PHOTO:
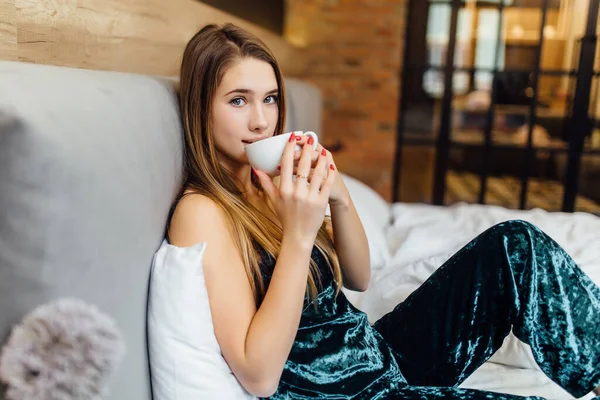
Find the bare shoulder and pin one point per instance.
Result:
(195, 219)
(198, 219)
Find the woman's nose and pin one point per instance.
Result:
(258, 120)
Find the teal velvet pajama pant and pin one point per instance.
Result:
(512, 276)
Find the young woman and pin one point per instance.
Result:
(275, 265)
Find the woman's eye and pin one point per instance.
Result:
(238, 102)
(271, 99)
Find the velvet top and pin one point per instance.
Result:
(336, 352)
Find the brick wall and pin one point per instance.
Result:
(354, 51)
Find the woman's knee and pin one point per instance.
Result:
(516, 234)
(517, 226)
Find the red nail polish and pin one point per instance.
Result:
(279, 167)
(332, 167)
(298, 137)
(323, 152)
(311, 141)
(292, 137)
(253, 171)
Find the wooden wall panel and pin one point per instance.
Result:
(141, 36)
(8, 30)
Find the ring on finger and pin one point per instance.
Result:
(302, 176)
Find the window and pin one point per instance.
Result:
(478, 50)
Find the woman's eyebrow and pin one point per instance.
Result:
(249, 91)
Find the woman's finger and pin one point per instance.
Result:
(328, 184)
(287, 164)
(330, 159)
(314, 156)
(304, 164)
(319, 173)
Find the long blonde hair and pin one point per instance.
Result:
(207, 57)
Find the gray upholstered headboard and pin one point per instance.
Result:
(89, 164)
(304, 107)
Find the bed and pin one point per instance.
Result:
(409, 241)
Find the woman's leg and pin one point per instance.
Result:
(512, 276)
(431, 393)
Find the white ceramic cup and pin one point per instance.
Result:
(265, 155)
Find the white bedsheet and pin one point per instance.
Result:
(424, 236)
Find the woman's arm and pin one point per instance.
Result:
(350, 242)
(255, 343)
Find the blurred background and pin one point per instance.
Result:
(433, 101)
(500, 130)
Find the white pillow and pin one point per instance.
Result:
(369, 201)
(374, 213)
(185, 358)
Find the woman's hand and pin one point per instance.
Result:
(339, 193)
(301, 204)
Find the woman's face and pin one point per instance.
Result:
(245, 108)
